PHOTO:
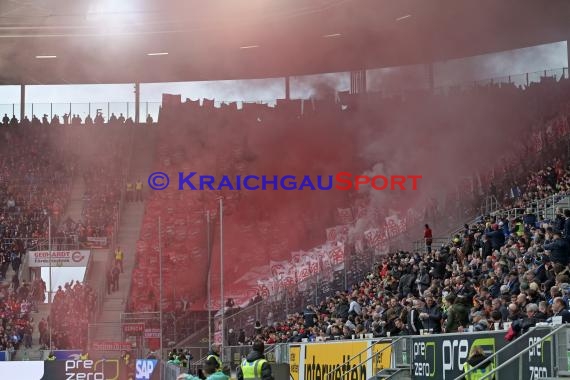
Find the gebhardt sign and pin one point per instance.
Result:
(75, 258)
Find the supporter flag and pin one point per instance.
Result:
(208, 103)
(278, 268)
(361, 212)
(291, 275)
(169, 100)
(345, 216)
(331, 234)
(359, 245)
(336, 253)
(296, 257)
(392, 224)
(342, 233)
(326, 272)
(263, 287)
(383, 248)
(372, 237)
(404, 225)
(304, 273)
(313, 262)
(322, 254)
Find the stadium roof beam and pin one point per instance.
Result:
(204, 37)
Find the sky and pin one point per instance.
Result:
(119, 98)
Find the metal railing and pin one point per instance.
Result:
(106, 109)
(359, 355)
(420, 245)
(512, 359)
(545, 205)
(170, 371)
(521, 79)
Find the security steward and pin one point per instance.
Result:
(130, 190)
(51, 356)
(214, 357)
(255, 366)
(119, 256)
(138, 189)
(84, 356)
(477, 357)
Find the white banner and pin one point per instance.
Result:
(78, 258)
(97, 241)
(152, 333)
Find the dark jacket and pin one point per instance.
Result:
(514, 286)
(406, 284)
(565, 314)
(309, 316)
(487, 248)
(559, 223)
(457, 315)
(558, 251)
(413, 321)
(434, 319)
(522, 325)
(497, 238)
(529, 220)
(567, 229)
(266, 373)
(213, 358)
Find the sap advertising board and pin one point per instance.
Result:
(102, 369)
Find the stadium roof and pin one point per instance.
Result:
(109, 41)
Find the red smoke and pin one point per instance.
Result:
(441, 138)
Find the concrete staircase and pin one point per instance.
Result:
(108, 327)
(75, 206)
(34, 353)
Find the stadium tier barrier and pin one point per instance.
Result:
(542, 352)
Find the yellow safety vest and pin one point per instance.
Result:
(217, 358)
(478, 373)
(50, 358)
(129, 187)
(84, 356)
(118, 255)
(138, 186)
(520, 229)
(252, 370)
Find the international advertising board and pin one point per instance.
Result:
(338, 360)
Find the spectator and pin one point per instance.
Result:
(457, 315)
(414, 323)
(559, 309)
(431, 315)
(428, 238)
(559, 249)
